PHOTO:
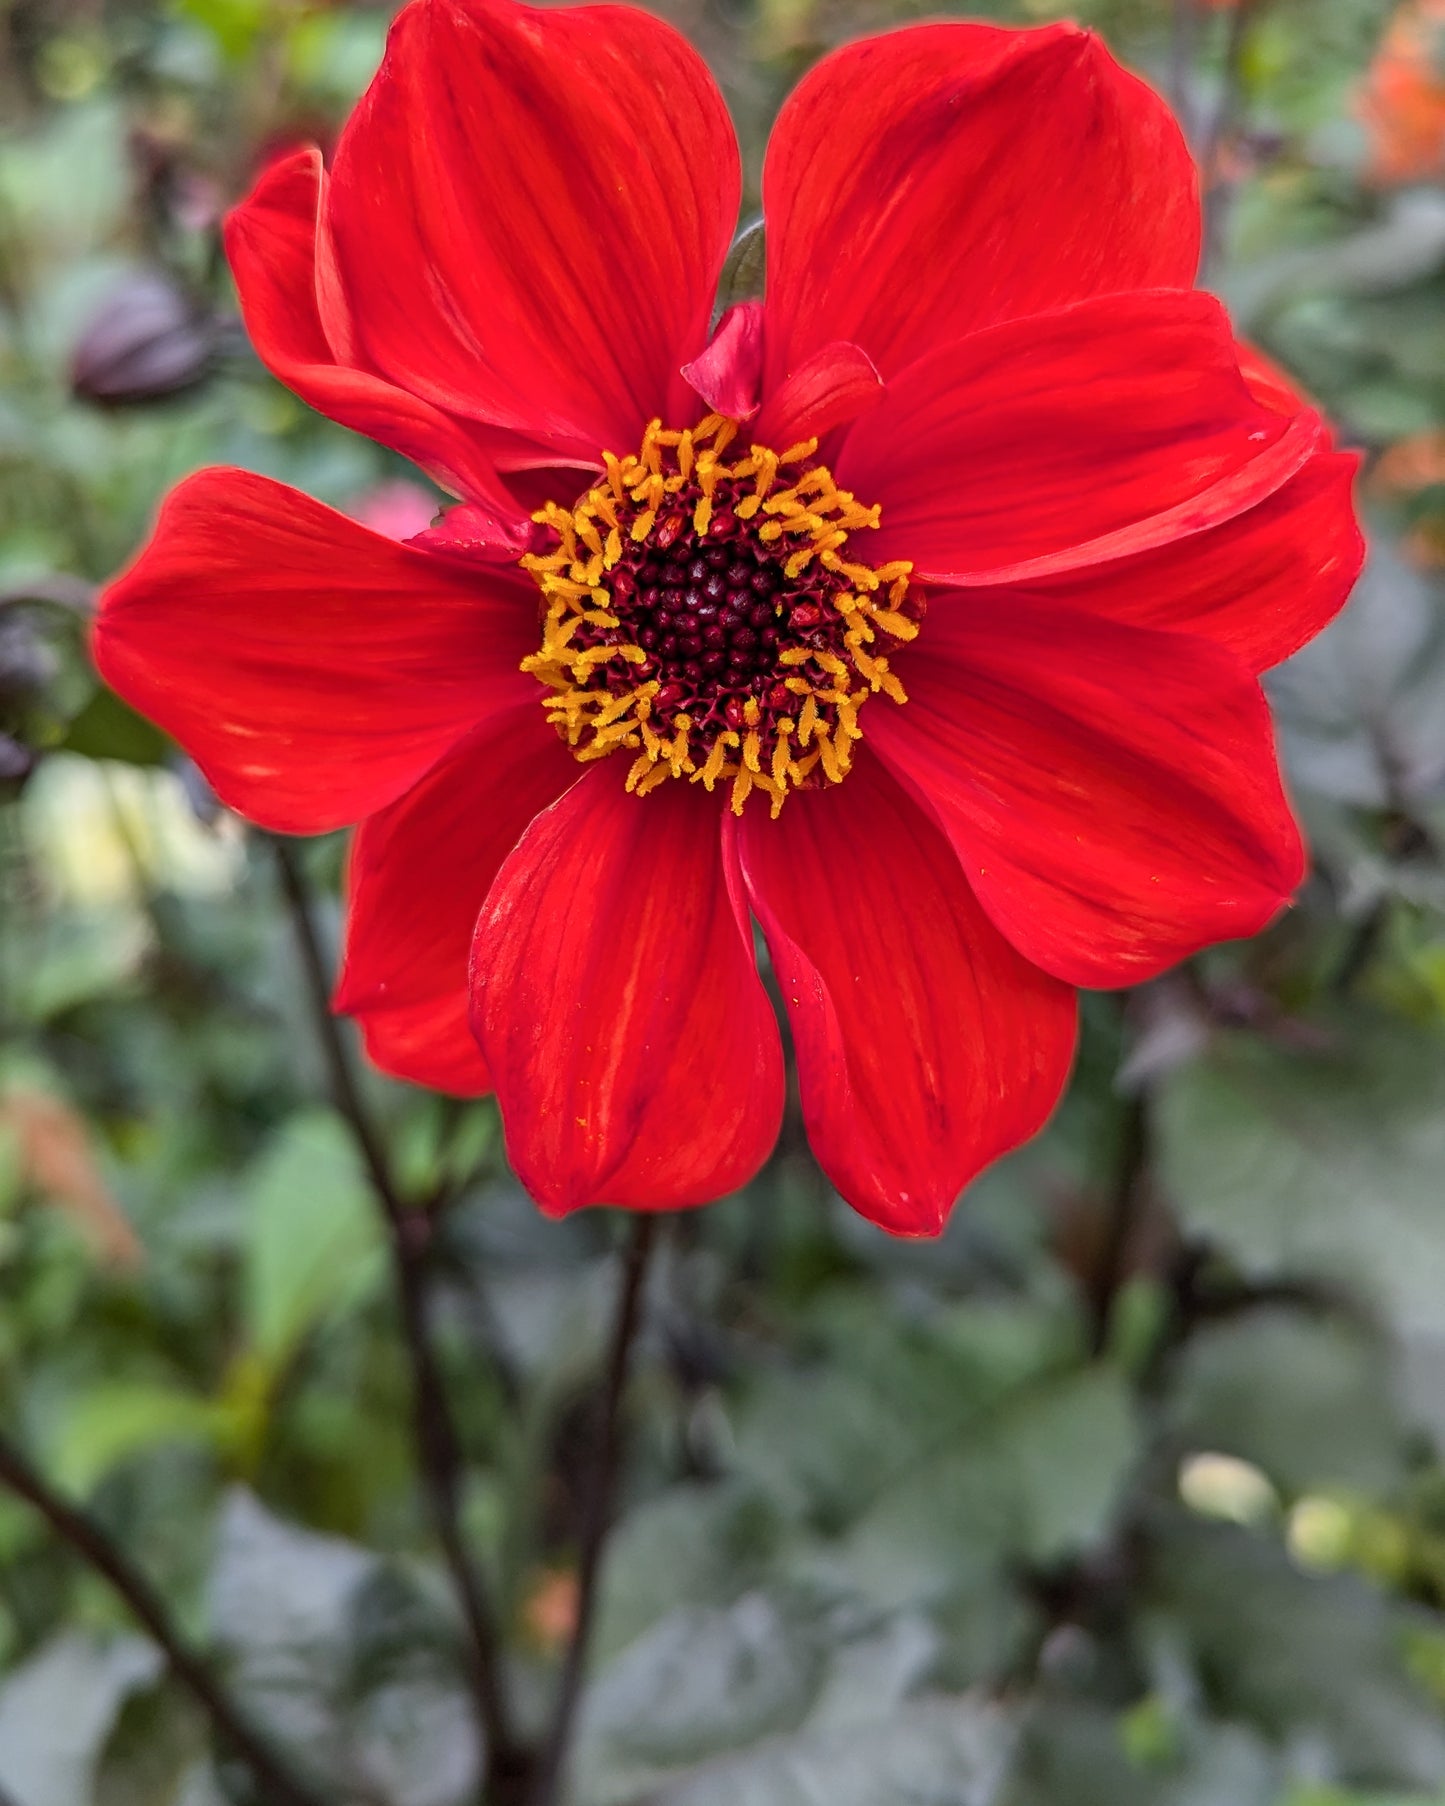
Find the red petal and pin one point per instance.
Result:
(419, 874)
(1267, 382)
(312, 668)
(478, 534)
(926, 1046)
(633, 1048)
(925, 183)
(1048, 441)
(271, 245)
(832, 387)
(1112, 793)
(728, 373)
(1260, 585)
(531, 208)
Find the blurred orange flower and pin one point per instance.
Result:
(1411, 464)
(1403, 99)
(1404, 473)
(549, 1613)
(52, 1147)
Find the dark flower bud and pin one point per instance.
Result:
(17, 761)
(205, 804)
(147, 339)
(27, 663)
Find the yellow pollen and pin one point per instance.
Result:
(761, 686)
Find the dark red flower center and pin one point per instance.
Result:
(701, 613)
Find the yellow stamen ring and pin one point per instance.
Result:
(699, 613)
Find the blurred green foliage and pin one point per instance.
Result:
(1130, 1491)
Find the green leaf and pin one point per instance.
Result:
(155, 1754)
(1038, 1481)
(704, 1680)
(107, 728)
(314, 1248)
(1328, 1164)
(235, 24)
(830, 1439)
(775, 1693)
(112, 1421)
(347, 1661)
(57, 1710)
(934, 1752)
(696, 1545)
(1299, 1656)
(1309, 1402)
(84, 956)
(79, 152)
(335, 54)
(276, 1587)
(1068, 1448)
(1339, 1796)
(1361, 709)
(1077, 1754)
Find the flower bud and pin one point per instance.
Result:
(147, 339)
(16, 764)
(27, 663)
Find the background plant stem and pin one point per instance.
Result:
(1218, 192)
(409, 1233)
(90, 1542)
(598, 1502)
(1125, 1205)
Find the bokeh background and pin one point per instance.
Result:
(1130, 1491)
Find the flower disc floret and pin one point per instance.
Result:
(702, 613)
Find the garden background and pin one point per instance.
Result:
(1130, 1491)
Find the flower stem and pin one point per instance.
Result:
(597, 1506)
(1125, 1208)
(1183, 27)
(88, 1540)
(432, 1427)
(1218, 190)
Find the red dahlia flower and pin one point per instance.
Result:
(916, 612)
